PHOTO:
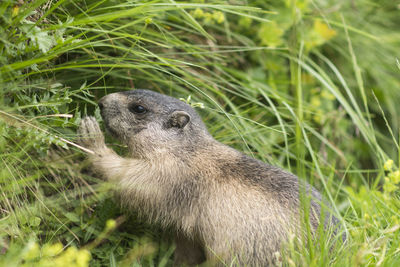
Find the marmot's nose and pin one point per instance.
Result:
(101, 102)
(101, 106)
(111, 100)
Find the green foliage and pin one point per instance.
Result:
(48, 255)
(309, 86)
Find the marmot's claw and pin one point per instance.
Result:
(90, 135)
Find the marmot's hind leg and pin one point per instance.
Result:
(187, 252)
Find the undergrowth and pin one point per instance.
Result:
(310, 86)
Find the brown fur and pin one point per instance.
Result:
(225, 206)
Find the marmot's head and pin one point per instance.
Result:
(148, 121)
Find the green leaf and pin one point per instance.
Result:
(72, 217)
(35, 221)
(40, 38)
(270, 34)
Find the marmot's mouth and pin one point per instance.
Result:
(136, 130)
(107, 126)
(110, 130)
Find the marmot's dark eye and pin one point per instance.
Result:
(138, 109)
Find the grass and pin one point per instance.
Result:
(308, 86)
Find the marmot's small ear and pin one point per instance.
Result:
(178, 119)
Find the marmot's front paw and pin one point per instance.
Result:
(90, 135)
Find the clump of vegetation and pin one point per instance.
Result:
(305, 85)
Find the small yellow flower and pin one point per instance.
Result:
(395, 177)
(315, 101)
(245, 22)
(389, 187)
(388, 165)
(327, 95)
(148, 20)
(207, 17)
(15, 11)
(324, 30)
(52, 250)
(354, 233)
(308, 79)
(110, 224)
(218, 16)
(70, 253)
(82, 258)
(32, 251)
(198, 13)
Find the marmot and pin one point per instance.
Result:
(226, 207)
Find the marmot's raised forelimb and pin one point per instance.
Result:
(224, 205)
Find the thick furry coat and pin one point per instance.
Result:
(225, 207)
